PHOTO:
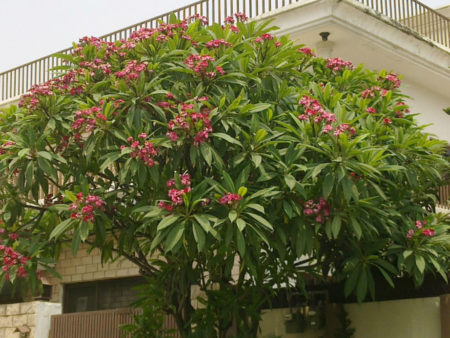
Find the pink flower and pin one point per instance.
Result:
(306, 51)
(418, 225)
(278, 44)
(163, 104)
(410, 234)
(241, 17)
(337, 64)
(371, 110)
(185, 179)
(13, 236)
(428, 232)
(327, 129)
(387, 121)
(229, 20)
(229, 198)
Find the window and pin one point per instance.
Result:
(101, 295)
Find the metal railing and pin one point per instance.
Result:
(410, 13)
(416, 16)
(444, 197)
(95, 324)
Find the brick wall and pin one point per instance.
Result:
(32, 316)
(85, 267)
(15, 315)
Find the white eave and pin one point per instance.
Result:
(361, 35)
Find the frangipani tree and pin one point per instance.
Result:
(225, 158)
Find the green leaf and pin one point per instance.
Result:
(240, 242)
(347, 186)
(174, 237)
(58, 207)
(61, 228)
(24, 152)
(241, 224)
(256, 207)
(318, 168)
(420, 263)
(228, 182)
(47, 167)
(356, 227)
(387, 277)
(45, 155)
(327, 185)
(69, 195)
(84, 231)
(290, 181)
(110, 158)
(199, 236)
(204, 222)
(205, 149)
(167, 221)
(361, 287)
(336, 226)
(259, 107)
(232, 215)
(242, 191)
(227, 138)
(261, 220)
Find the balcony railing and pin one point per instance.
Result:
(95, 324)
(409, 13)
(416, 16)
(444, 197)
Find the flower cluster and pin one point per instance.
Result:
(96, 66)
(142, 149)
(372, 91)
(404, 109)
(306, 51)
(85, 206)
(202, 65)
(229, 199)
(66, 84)
(190, 123)
(86, 120)
(343, 128)
(267, 37)
(203, 19)
(240, 17)
(9, 256)
(316, 113)
(420, 230)
(217, 43)
(132, 70)
(51, 200)
(337, 64)
(391, 80)
(176, 195)
(319, 210)
(4, 146)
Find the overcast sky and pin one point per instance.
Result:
(30, 29)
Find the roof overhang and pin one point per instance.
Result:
(362, 35)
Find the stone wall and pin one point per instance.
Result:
(32, 316)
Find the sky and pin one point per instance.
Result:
(30, 29)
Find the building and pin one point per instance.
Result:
(405, 37)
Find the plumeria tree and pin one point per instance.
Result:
(225, 159)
